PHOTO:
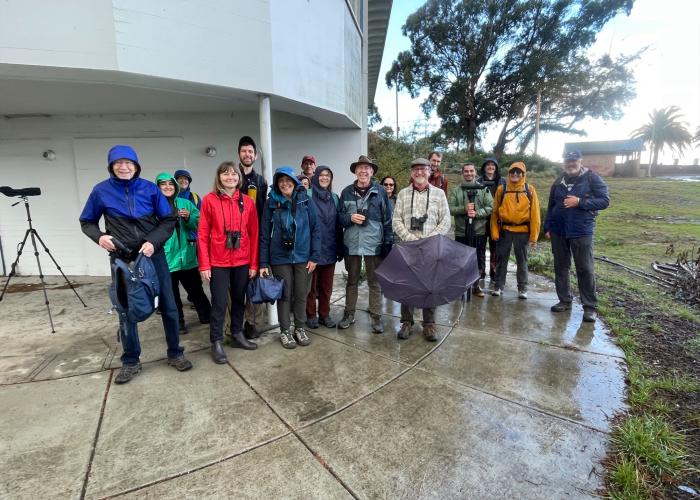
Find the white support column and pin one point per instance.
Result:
(267, 168)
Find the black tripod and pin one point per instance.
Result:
(23, 194)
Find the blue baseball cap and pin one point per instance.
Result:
(573, 155)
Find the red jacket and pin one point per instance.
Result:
(218, 214)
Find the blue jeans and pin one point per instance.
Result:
(129, 332)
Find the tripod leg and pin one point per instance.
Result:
(46, 249)
(43, 283)
(14, 264)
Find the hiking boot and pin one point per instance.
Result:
(183, 328)
(377, 325)
(522, 294)
(589, 316)
(348, 319)
(238, 340)
(312, 323)
(405, 330)
(287, 339)
(127, 372)
(249, 331)
(478, 292)
(561, 307)
(181, 364)
(496, 292)
(327, 322)
(301, 337)
(218, 354)
(429, 332)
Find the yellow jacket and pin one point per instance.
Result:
(516, 212)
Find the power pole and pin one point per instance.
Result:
(537, 120)
(397, 109)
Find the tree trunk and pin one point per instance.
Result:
(500, 146)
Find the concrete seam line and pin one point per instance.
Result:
(200, 467)
(295, 433)
(386, 382)
(99, 370)
(97, 435)
(517, 403)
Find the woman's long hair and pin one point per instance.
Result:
(225, 167)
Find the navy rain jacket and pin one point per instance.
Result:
(282, 218)
(135, 211)
(576, 222)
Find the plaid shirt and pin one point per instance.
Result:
(438, 211)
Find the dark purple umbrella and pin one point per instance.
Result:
(429, 272)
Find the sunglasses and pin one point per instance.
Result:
(386, 184)
(515, 172)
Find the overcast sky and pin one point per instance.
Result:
(667, 74)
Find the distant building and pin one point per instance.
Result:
(181, 82)
(610, 158)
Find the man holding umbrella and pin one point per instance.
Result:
(421, 211)
(471, 204)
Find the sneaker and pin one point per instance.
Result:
(181, 364)
(312, 323)
(327, 322)
(127, 372)
(429, 332)
(405, 330)
(478, 292)
(522, 294)
(348, 319)
(377, 325)
(589, 316)
(561, 307)
(287, 340)
(301, 337)
(496, 292)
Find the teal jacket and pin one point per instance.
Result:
(180, 253)
(483, 204)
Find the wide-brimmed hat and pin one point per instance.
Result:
(364, 160)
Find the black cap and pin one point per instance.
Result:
(247, 141)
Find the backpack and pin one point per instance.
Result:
(505, 189)
(135, 288)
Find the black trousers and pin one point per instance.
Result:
(480, 244)
(581, 249)
(225, 281)
(192, 283)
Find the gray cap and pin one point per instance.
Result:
(420, 162)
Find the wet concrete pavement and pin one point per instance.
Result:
(512, 402)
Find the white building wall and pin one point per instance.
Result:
(164, 142)
(308, 51)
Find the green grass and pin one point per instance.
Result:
(645, 217)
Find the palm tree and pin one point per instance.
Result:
(664, 129)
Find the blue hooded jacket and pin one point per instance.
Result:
(579, 221)
(284, 219)
(135, 211)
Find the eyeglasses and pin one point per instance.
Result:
(516, 173)
(325, 175)
(386, 184)
(128, 163)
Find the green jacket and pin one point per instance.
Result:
(483, 203)
(180, 253)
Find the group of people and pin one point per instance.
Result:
(300, 229)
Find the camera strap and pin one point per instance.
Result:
(240, 208)
(427, 201)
